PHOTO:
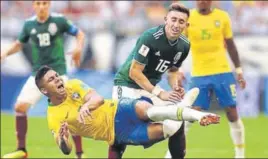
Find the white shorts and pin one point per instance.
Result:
(123, 91)
(30, 93)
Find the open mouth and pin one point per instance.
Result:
(60, 87)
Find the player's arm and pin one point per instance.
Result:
(178, 79)
(93, 100)
(141, 50)
(136, 74)
(71, 29)
(17, 45)
(173, 75)
(61, 134)
(232, 50)
(63, 139)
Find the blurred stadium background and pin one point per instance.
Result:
(112, 28)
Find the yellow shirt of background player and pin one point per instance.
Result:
(206, 34)
(99, 127)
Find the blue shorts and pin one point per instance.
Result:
(129, 129)
(223, 85)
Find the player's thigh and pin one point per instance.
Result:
(29, 94)
(123, 91)
(204, 96)
(225, 89)
(145, 134)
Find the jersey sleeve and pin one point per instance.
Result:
(81, 87)
(183, 56)
(227, 27)
(69, 27)
(142, 49)
(24, 35)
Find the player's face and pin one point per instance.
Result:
(53, 84)
(41, 8)
(203, 4)
(175, 22)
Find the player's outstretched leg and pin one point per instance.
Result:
(146, 111)
(237, 131)
(21, 130)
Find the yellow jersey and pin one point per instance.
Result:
(206, 34)
(99, 127)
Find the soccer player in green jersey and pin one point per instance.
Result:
(159, 49)
(46, 31)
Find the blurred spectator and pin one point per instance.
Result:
(112, 26)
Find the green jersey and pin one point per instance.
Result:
(157, 53)
(47, 41)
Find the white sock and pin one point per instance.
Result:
(170, 127)
(238, 136)
(161, 113)
(187, 126)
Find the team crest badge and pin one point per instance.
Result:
(52, 28)
(217, 23)
(177, 57)
(75, 95)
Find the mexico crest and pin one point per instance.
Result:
(177, 57)
(52, 28)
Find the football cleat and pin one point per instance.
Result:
(16, 154)
(209, 119)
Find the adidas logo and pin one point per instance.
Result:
(157, 53)
(33, 31)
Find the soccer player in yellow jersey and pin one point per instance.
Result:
(74, 108)
(209, 31)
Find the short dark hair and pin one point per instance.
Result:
(179, 7)
(40, 74)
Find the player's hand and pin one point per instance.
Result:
(180, 91)
(241, 81)
(172, 96)
(83, 114)
(76, 57)
(3, 56)
(64, 131)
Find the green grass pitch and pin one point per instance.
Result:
(213, 141)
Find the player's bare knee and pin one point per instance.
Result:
(231, 114)
(141, 109)
(196, 108)
(21, 108)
